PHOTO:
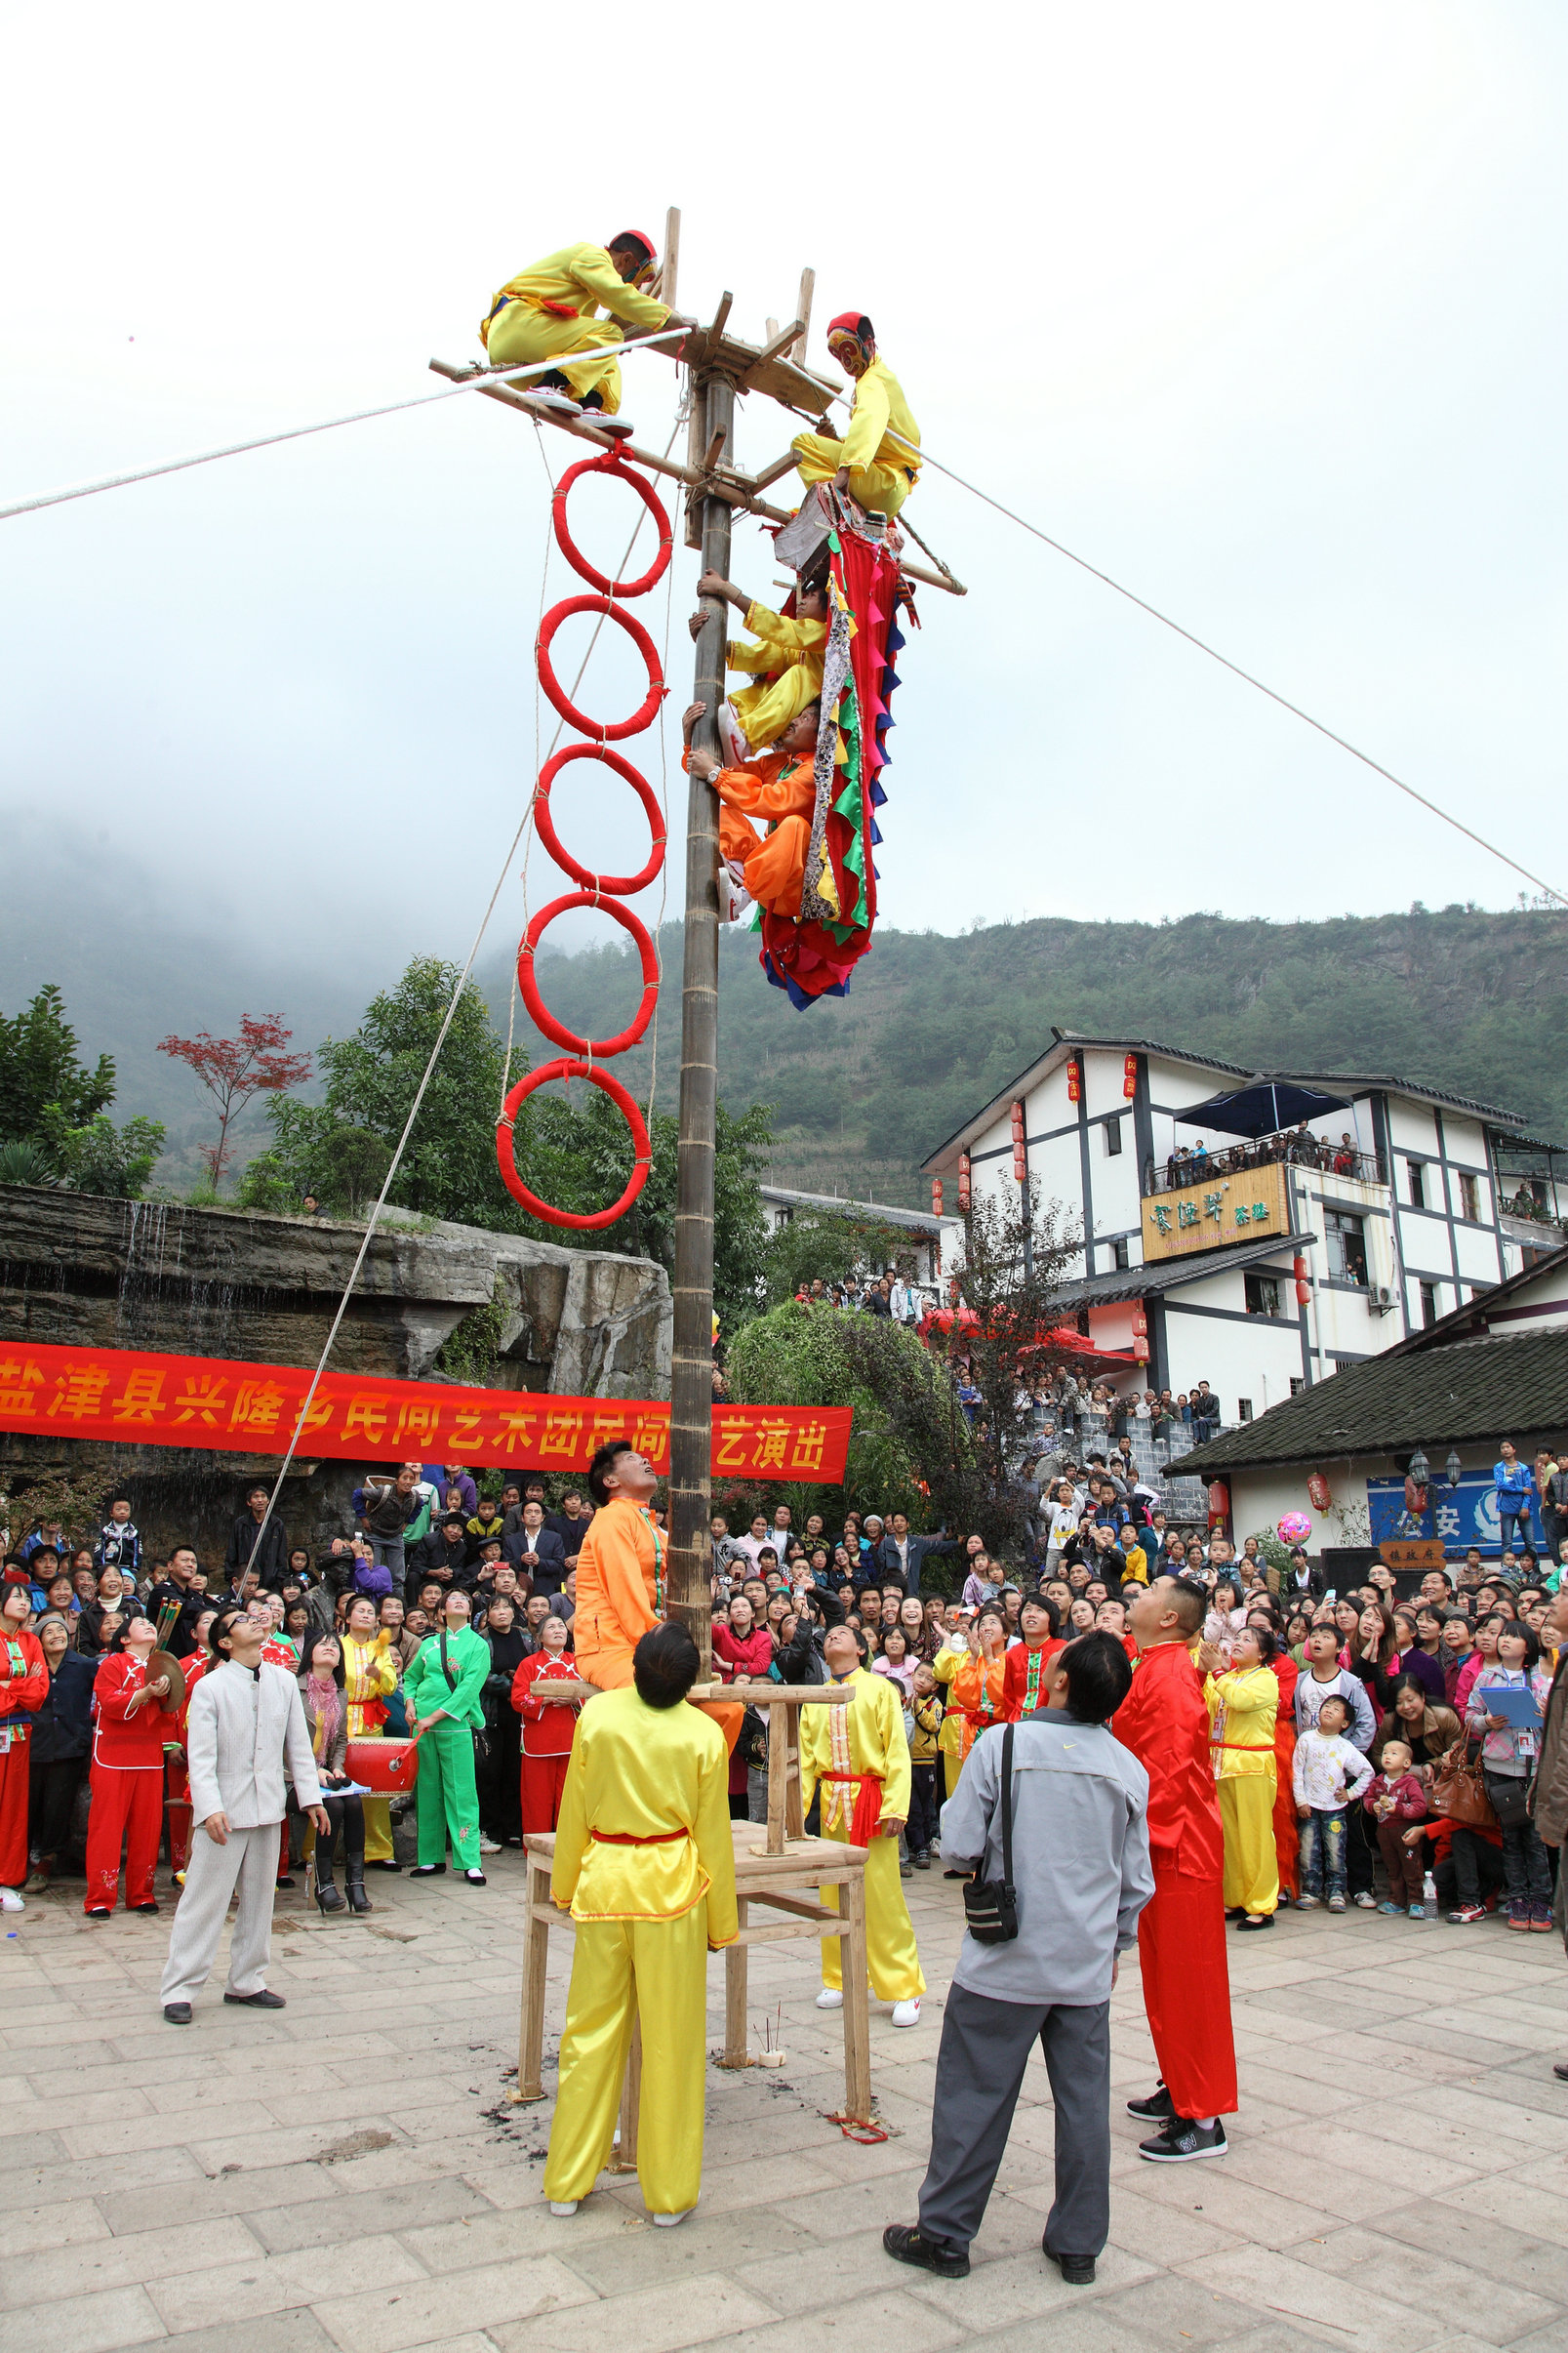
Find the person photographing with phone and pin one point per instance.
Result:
(1051, 1813)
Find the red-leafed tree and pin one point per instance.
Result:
(234, 1069)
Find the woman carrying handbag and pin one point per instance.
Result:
(326, 1716)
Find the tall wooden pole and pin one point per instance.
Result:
(692, 1386)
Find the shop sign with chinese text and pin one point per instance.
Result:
(1229, 1206)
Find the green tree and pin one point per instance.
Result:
(39, 1066)
(100, 1158)
(831, 1244)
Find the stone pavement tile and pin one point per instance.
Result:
(272, 2282)
(1082, 2326)
(661, 2320)
(388, 2317)
(1490, 2107)
(800, 2183)
(1491, 2310)
(1162, 2234)
(330, 2217)
(1280, 2336)
(148, 2132)
(56, 2112)
(134, 2261)
(838, 2210)
(1264, 2218)
(1015, 2288)
(1546, 2340)
(24, 2181)
(202, 2199)
(277, 2144)
(1519, 2200)
(490, 2236)
(70, 2224)
(1418, 2171)
(84, 2324)
(1496, 2250)
(871, 2321)
(1362, 2321)
(295, 2332)
(1169, 2308)
(1348, 2196)
(33, 2152)
(748, 2244)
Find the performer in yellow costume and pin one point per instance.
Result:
(550, 309)
(645, 1864)
(860, 1758)
(878, 461)
(1243, 1705)
(789, 658)
(621, 1577)
(370, 1677)
(977, 1691)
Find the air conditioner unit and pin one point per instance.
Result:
(1384, 1295)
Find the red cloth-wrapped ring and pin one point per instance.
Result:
(629, 1113)
(647, 711)
(621, 886)
(610, 464)
(539, 1013)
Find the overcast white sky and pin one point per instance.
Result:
(1260, 308)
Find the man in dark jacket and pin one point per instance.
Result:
(179, 1586)
(902, 1556)
(445, 1550)
(272, 1557)
(536, 1552)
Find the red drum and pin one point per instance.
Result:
(386, 1766)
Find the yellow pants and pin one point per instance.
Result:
(765, 712)
(378, 1830)
(1251, 1859)
(892, 1957)
(952, 1766)
(518, 335)
(659, 1966)
(883, 487)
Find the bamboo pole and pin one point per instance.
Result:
(691, 1413)
(808, 288)
(670, 274)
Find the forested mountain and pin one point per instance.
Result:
(864, 1087)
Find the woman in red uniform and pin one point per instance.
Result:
(546, 1692)
(742, 1652)
(177, 1792)
(127, 1771)
(23, 1690)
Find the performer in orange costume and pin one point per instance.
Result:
(550, 1723)
(621, 1578)
(782, 787)
(1164, 1721)
(1287, 1838)
(1026, 1661)
(975, 1676)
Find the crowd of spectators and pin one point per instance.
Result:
(1194, 1163)
(439, 1546)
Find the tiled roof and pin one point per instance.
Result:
(1169, 1273)
(1475, 1391)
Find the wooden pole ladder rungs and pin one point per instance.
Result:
(772, 348)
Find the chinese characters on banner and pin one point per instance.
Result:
(128, 1397)
(1459, 1515)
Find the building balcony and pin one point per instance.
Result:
(1183, 1171)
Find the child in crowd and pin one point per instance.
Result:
(119, 1543)
(925, 1709)
(1328, 1771)
(1394, 1799)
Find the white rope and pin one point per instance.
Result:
(327, 424)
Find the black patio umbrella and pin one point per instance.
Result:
(1262, 1108)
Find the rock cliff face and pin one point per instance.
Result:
(221, 1283)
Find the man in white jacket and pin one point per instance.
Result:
(245, 1720)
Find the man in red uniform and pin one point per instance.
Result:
(1164, 1721)
(547, 1691)
(1023, 1690)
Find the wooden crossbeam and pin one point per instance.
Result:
(776, 342)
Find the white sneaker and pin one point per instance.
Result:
(564, 2206)
(737, 751)
(10, 1901)
(620, 428)
(1366, 1901)
(906, 2014)
(548, 397)
(489, 1846)
(669, 2221)
(831, 1998)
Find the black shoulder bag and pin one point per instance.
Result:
(990, 1906)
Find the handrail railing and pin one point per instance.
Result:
(1186, 1167)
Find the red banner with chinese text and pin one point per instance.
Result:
(130, 1397)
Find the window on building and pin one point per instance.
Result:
(1118, 1252)
(1296, 1384)
(1429, 1304)
(1243, 1409)
(1346, 1239)
(1113, 1137)
(1263, 1295)
(1418, 1184)
(1469, 1197)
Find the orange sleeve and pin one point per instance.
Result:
(761, 794)
(621, 1573)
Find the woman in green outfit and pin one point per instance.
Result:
(442, 1685)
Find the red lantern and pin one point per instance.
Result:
(1074, 1080)
(1318, 1493)
(1021, 1161)
(1129, 1076)
(963, 1180)
(1139, 1321)
(936, 1196)
(1219, 1503)
(1140, 1352)
(1303, 1289)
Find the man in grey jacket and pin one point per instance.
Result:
(1082, 1875)
(246, 1720)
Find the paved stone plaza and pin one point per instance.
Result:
(349, 2173)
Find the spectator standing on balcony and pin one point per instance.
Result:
(1205, 1413)
(1515, 1485)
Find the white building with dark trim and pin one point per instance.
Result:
(1263, 1278)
